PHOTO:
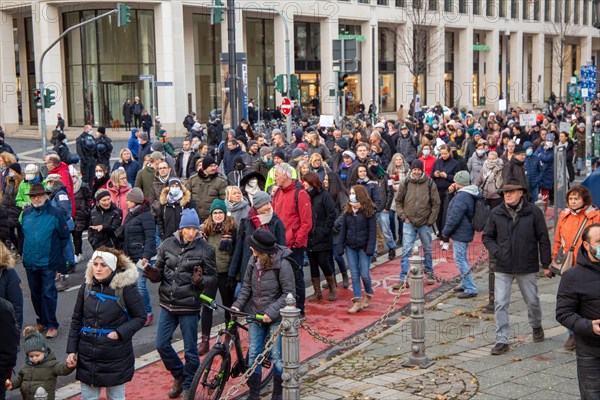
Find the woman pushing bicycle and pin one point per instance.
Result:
(269, 278)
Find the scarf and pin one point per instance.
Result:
(226, 243)
(260, 220)
(173, 199)
(77, 185)
(251, 191)
(514, 210)
(163, 180)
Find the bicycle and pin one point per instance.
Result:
(216, 369)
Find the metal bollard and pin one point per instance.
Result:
(489, 308)
(541, 204)
(417, 299)
(40, 394)
(290, 349)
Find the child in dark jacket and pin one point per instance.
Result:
(41, 368)
(358, 233)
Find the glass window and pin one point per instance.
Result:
(514, 9)
(476, 7)
(433, 5)
(536, 10)
(558, 10)
(503, 6)
(387, 92)
(462, 7)
(307, 44)
(448, 5)
(547, 10)
(260, 48)
(586, 12)
(490, 8)
(567, 11)
(576, 11)
(400, 3)
(363, 1)
(382, 2)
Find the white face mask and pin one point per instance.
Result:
(99, 175)
(253, 182)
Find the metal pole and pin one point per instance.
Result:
(288, 74)
(588, 134)
(373, 41)
(290, 349)
(233, 98)
(152, 82)
(41, 72)
(417, 299)
(258, 99)
(489, 308)
(343, 70)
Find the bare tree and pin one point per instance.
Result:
(562, 31)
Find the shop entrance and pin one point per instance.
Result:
(114, 95)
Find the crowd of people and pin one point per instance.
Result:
(241, 214)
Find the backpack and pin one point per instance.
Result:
(89, 142)
(481, 215)
(118, 297)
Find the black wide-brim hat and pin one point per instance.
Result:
(37, 189)
(263, 241)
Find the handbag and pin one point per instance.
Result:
(564, 259)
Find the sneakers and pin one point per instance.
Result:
(459, 289)
(176, 389)
(400, 284)
(500, 348)
(392, 254)
(570, 343)
(465, 295)
(78, 258)
(51, 333)
(445, 246)
(62, 282)
(149, 318)
(373, 258)
(429, 278)
(538, 334)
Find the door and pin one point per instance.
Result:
(114, 95)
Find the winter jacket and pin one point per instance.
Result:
(10, 285)
(532, 170)
(489, 180)
(428, 163)
(168, 214)
(102, 361)
(358, 232)
(176, 261)
(127, 113)
(346, 171)
(62, 149)
(323, 217)
(83, 198)
(118, 196)
(296, 216)
(547, 167)
(517, 244)
(86, 148)
(206, 188)
(185, 169)
(407, 146)
(450, 167)
(143, 151)
(514, 170)
(104, 148)
(158, 185)
(262, 168)
(131, 169)
(44, 374)
(110, 220)
(146, 121)
(386, 192)
(475, 165)
(411, 204)
(133, 144)
(578, 303)
(241, 254)
(230, 155)
(385, 154)
(61, 201)
(222, 256)
(46, 234)
(567, 226)
(62, 169)
(139, 234)
(9, 200)
(9, 345)
(264, 291)
(372, 187)
(319, 149)
(144, 180)
(459, 216)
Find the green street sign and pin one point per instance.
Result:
(359, 38)
(481, 47)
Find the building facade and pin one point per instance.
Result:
(466, 53)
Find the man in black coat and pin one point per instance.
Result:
(514, 235)
(578, 309)
(86, 150)
(9, 345)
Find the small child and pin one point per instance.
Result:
(40, 369)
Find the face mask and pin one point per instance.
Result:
(373, 169)
(597, 252)
(309, 190)
(11, 174)
(549, 144)
(65, 141)
(529, 152)
(195, 146)
(253, 182)
(269, 162)
(99, 175)
(353, 198)
(480, 153)
(174, 192)
(426, 152)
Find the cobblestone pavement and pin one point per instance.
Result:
(459, 337)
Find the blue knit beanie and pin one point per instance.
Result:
(189, 219)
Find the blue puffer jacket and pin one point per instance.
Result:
(131, 169)
(46, 233)
(533, 168)
(139, 232)
(358, 232)
(460, 214)
(546, 157)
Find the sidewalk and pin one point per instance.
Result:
(459, 338)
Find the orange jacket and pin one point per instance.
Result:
(567, 226)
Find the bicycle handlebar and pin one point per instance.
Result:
(212, 304)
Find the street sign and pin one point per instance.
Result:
(163, 83)
(286, 106)
(588, 80)
(146, 77)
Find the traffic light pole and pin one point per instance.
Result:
(233, 98)
(41, 71)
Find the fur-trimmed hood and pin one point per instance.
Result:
(125, 275)
(7, 261)
(187, 196)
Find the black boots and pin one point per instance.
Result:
(277, 388)
(254, 386)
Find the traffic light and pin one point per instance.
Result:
(342, 84)
(216, 12)
(280, 84)
(124, 14)
(37, 98)
(49, 98)
(293, 87)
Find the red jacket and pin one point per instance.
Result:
(296, 219)
(62, 169)
(428, 163)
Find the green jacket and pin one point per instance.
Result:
(223, 257)
(44, 374)
(204, 190)
(144, 180)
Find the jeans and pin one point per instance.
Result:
(395, 225)
(588, 374)
(359, 263)
(144, 293)
(93, 393)
(528, 287)
(257, 334)
(44, 296)
(298, 256)
(534, 193)
(460, 258)
(383, 219)
(409, 236)
(188, 324)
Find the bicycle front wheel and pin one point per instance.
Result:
(211, 376)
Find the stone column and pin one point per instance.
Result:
(464, 69)
(9, 113)
(436, 68)
(368, 70)
(537, 69)
(492, 88)
(280, 60)
(404, 79)
(329, 32)
(516, 82)
(189, 62)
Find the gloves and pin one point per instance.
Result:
(231, 282)
(152, 273)
(197, 276)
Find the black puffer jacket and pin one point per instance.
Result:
(407, 146)
(9, 199)
(320, 237)
(578, 303)
(176, 262)
(102, 361)
(169, 214)
(264, 291)
(110, 220)
(515, 244)
(139, 234)
(82, 207)
(358, 232)
(386, 192)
